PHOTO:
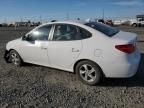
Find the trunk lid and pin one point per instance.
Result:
(126, 37)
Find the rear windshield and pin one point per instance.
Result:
(107, 30)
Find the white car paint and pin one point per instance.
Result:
(63, 54)
(99, 49)
(137, 22)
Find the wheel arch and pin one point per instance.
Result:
(134, 24)
(11, 50)
(74, 67)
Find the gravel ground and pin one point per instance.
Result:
(34, 86)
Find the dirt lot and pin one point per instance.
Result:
(39, 87)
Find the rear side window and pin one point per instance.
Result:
(107, 30)
(65, 32)
(84, 34)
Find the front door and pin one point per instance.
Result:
(34, 48)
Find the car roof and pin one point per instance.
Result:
(76, 23)
(66, 22)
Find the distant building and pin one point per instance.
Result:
(27, 24)
(18, 24)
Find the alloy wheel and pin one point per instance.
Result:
(88, 73)
(15, 58)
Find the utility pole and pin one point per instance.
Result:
(67, 16)
(40, 19)
(21, 19)
(5, 20)
(103, 14)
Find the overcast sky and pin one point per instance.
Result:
(12, 10)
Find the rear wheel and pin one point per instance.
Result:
(15, 58)
(88, 72)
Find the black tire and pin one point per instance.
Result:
(139, 25)
(17, 61)
(97, 74)
(134, 25)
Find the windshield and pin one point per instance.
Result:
(107, 30)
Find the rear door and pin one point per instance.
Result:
(65, 45)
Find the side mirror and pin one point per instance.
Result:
(28, 38)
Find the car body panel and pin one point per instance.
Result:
(34, 52)
(64, 54)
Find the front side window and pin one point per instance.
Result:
(41, 33)
(65, 32)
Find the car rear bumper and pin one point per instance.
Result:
(123, 69)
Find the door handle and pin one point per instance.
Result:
(75, 50)
(44, 48)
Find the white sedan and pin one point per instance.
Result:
(91, 50)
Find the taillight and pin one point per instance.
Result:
(127, 48)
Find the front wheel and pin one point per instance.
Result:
(88, 72)
(15, 58)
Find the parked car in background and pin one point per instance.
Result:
(137, 22)
(4, 25)
(109, 22)
(121, 22)
(11, 25)
(92, 50)
(117, 22)
(101, 21)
